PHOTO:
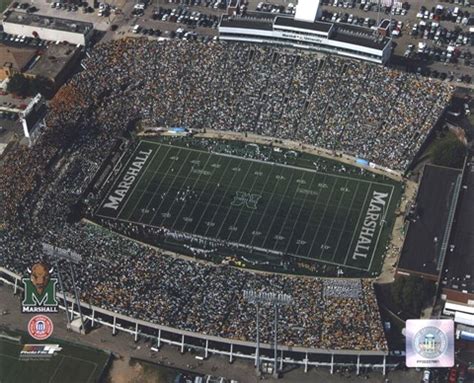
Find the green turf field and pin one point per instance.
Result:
(72, 364)
(273, 208)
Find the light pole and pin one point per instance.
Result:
(257, 298)
(71, 257)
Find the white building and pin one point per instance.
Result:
(341, 39)
(304, 32)
(48, 28)
(308, 10)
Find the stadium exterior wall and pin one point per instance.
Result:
(14, 280)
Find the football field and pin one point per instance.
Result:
(252, 204)
(72, 364)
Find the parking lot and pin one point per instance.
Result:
(433, 41)
(430, 38)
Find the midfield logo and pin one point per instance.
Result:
(246, 199)
(40, 290)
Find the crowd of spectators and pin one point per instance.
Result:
(132, 279)
(362, 109)
(367, 110)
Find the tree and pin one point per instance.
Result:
(18, 85)
(411, 293)
(23, 86)
(449, 151)
(41, 85)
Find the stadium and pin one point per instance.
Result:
(174, 231)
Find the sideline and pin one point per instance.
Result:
(292, 145)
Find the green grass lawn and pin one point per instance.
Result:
(74, 363)
(4, 4)
(277, 209)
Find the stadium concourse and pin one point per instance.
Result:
(377, 113)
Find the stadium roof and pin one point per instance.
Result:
(316, 26)
(428, 221)
(250, 23)
(344, 33)
(353, 34)
(459, 266)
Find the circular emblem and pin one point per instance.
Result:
(40, 327)
(430, 342)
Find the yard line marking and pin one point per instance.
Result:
(253, 211)
(322, 218)
(193, 187)
(275, 194)
(56, 369)
(118, 178)
(333, 220)
(299, 213)
(289, 211)
(230, 206)
(113, 169)
(381, 228)
(171, 184)
(137, 181)
(264, 214)
(279, 206)
(248, 247)
(280, 165)
(180, 185)
(345, 222)
(222, 199)
(242, 208)
(145, 190)
(259, 215)
(357, 225)
(210, 199)
(312, 212)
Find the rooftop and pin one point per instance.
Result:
(346, 33)
(459, 266)
(15, 58)
(353, 34)
(48, 22)
(246, 22)
(292, 23)
(428, 220)
(53, 60)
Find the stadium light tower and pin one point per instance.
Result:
(258, 298)
(71, 257)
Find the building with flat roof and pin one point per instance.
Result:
(457, 280)
(428, 222)
(440, 238)
(341, 39)
(55, 63)
(48, 28)
(14, 60)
